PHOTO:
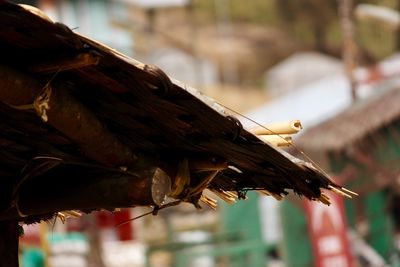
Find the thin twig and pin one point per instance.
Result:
(155, 209)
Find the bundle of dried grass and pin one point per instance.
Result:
(81, 109)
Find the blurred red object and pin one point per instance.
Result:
(31, 235)
(327, 226)
(110, 220)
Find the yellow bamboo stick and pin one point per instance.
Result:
(61, 216)
(349, 191)
(324, 199)
(289, 127)
(232, 194)
(72, 213)
(338, 191)
(281, 140)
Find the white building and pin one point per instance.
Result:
(298, 70)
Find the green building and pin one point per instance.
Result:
(360, 149)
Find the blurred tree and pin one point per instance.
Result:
(398, 29)
(314, 15)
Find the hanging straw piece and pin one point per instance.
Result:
(232, 194)
(64, 215)
(340, 192)
(225, 196)
(212, 203)
(267, 193)
(61, 216)
(264, 192)
(72, 213)
(349, 191)
(292, 127)
(289, 127)
(324, 199)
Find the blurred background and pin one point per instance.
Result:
(334, 65)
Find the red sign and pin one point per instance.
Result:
(109, 220)
(327, 227)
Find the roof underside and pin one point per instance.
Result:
(157, 121)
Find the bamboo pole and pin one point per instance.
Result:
(288, 127)
(58, 108)
(17, 88)
(281, 140)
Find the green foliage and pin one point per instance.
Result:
(255, 11)
(258, 11)
(378, 41)
(311, 23)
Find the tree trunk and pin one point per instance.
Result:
(398, 29)
(349, 45)
(9, 237)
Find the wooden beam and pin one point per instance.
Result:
(88, 191)
(58, 108)
(17, 88)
